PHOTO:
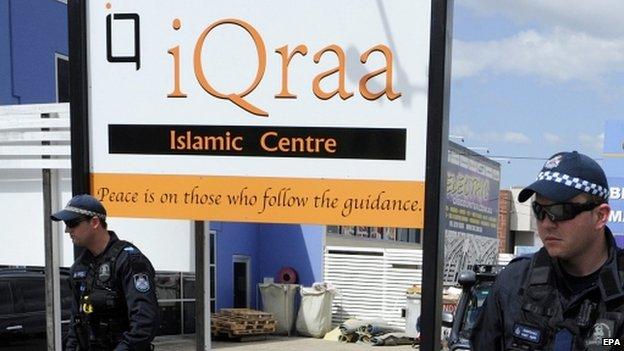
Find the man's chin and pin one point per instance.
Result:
(555, 251)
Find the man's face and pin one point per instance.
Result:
(569, 238)
(80, 231)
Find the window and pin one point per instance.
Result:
(213, 271)
(170, 314)
(32, 292)
(407, 235)
(479, 293)
(176, 297)
(189, 317)
(168, 286)
(6, 300)
(61, 66)
(188, 283)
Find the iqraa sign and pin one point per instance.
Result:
(247, 108)
(286, 57)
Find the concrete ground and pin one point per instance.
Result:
(273, 343)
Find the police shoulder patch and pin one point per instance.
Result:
(141, 282)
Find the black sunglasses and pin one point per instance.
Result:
(75, 222)
(561, 211)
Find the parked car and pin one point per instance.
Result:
(476, 284)
(22, 307)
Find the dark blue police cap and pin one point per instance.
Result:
(566, 175)
(80, 206)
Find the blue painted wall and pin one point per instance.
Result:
(616, 218)
(614, 168)
(234, 239)
(297, 246)
(270, 247)
(31, 32)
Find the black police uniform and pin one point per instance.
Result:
(115, 305)
(535, 305)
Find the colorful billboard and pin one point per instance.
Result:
(472, 190)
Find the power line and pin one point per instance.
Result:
(531, 158)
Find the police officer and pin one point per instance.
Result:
(568, 295)
(115, 305)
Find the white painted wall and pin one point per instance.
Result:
(167, 243)
(521, 218)
(21, 217)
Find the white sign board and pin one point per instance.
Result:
(264, 111)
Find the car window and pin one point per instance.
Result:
(32, 292)
(479, 293)
(6, 302)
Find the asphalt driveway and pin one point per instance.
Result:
(273, 343)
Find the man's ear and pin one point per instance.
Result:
(95, 222)
(602, 212)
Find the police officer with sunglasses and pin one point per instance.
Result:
(114, 305)
(569, 295)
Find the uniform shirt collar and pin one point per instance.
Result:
(111, 241)
(608, 280)
(88, 256)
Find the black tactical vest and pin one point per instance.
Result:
(102, 306)
(542, 326)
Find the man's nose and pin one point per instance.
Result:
(549, 222)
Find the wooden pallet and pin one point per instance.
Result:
(236, 323)
(245, 313)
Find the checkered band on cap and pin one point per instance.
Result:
(575, 182)
(84, 212)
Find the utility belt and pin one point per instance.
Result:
(102, 302)
(100, 321)
(97, 334)
(103, 335)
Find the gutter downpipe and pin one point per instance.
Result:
(13, 94)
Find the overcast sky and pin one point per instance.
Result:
(533, 77)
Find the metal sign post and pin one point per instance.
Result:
(435, 190)
(51, 242)
(52, 275)
(202, 287)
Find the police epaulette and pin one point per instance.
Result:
(116, 248)
(131, 250)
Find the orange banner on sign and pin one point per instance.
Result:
(258, 199)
